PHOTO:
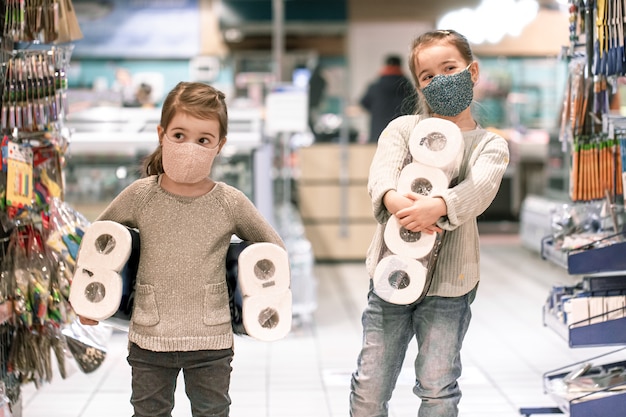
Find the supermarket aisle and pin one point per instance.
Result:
(506, 352)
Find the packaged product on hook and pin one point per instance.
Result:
(87, 344)
(69, 29)
(5, 406)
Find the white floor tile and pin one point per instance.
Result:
(506, 353)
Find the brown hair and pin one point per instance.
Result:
(196, 99)
(450, 36)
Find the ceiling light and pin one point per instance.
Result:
(491, 20)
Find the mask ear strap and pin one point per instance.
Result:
(468, 68)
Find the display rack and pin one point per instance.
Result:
(34, 276)
(603, 255)
(591, 143)
(605, 264)
(582, 334)
(606, 402)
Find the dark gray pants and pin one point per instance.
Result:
(154, 375)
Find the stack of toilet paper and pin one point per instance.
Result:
(264, 280)
(98, 290)
(436, 147)
(103, 285)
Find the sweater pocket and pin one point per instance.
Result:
(216, 310)
(145, 312)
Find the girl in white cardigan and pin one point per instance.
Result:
(445, 72)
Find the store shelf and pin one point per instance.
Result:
(605, 403)
(590, 259)
(605, 264)
(580, 334)
(553, 254)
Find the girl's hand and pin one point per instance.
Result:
(395, 201)
(423, 213)
(87, 322)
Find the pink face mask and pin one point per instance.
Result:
(187, 163)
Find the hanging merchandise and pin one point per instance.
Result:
(87, 344)
(45, 21)
(595, 162)
(35, 89)
(608, 57)
(574, 26)
(39, 308)
(593, 144)
(39, 232)
(5, 409)
(589, 233)
(573, 119)
(69, 30)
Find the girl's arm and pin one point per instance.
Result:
(473, 195)
(390, 157)
(122, 208)
(250, 223)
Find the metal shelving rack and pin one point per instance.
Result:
(605, 402)
(606, 274)
(603, 262)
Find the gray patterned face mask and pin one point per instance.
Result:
(449, 95)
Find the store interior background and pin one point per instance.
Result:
(236, 45)
(312, 185)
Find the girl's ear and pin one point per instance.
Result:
(474, 71)
(222, 143)
(160, 133)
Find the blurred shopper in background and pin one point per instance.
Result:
(317, 90)
(390, 96)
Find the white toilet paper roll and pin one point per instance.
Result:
(267, 317)
(422, 179)
(437, 142)
(105, 244)
(403, 242)
(263, 269)
(399, 279)
(95, 293)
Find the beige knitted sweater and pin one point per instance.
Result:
(485, 159)
(181, 297)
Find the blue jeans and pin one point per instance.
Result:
(154, 375)
(439, 324)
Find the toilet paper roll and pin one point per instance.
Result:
(404, 242)
(105, 244)
(263, 269)
(422, 179)
(399, 279)
(95, 293)
(437, 142)
(267, 317)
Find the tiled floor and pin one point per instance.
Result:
(506, 352)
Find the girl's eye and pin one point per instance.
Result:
(179, 136)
